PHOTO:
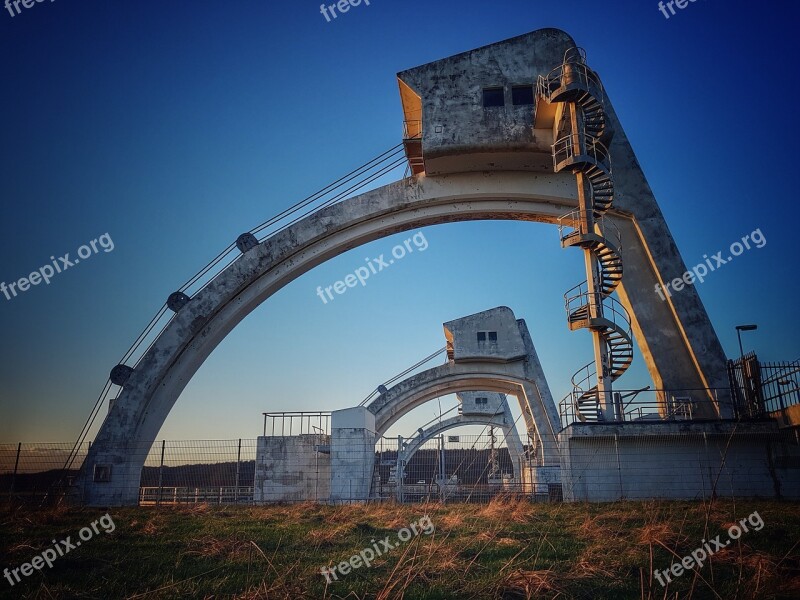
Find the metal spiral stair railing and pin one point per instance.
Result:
(614, 328)
(585, 152)
(604, 242)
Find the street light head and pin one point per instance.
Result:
(746, 327)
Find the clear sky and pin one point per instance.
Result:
(175, 126)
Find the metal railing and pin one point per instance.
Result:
(158, 496)
(573, 73)
(611, 309)
(574, 223)
(335, 192)
(648, 405)
(588, 147)
(384, 386)
(297, 423)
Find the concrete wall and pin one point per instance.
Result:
(496, 404)
(462, 337)
(678, 461)
(352, 454)
(290, 469)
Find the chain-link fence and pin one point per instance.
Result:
(597, 462)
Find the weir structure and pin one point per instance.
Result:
(489, 354)
(489, 134)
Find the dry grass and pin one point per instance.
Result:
(507, 549)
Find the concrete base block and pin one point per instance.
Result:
(291, 469)
(679, 460)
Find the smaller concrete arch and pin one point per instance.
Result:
(475, 408)
(491, 351)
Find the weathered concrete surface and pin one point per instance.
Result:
(675, 336)
(458, 133)
(290, 469)
(352, 454)
(463, 344)
(680, 460)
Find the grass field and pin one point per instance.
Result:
(504, 550)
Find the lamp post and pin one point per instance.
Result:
(739, 330)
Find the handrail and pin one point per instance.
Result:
(588, 146)
(606, 228)
(403, 373)
(667, 405)
(579, 52)
(580, 73)
(610, 306)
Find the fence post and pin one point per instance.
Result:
(14, 476)
(161, 474)
(238, 469)
(619, 467)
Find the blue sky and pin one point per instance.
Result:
(173, 127)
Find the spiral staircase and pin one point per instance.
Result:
(582, 135)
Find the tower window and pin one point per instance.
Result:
(481, 336)
(101, 473)
(522, 95)
(493, 97)
(492, 336)
(481, 401)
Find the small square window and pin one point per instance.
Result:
(493, 97)
(481, 400)
(492, 336)
(102, 473)
(522, 95)
(481, 336)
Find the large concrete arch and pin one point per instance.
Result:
(498, 178)
(150, 393)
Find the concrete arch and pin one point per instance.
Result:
(500, 420)
(497, 420)
(446, 379)
(163, 372)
